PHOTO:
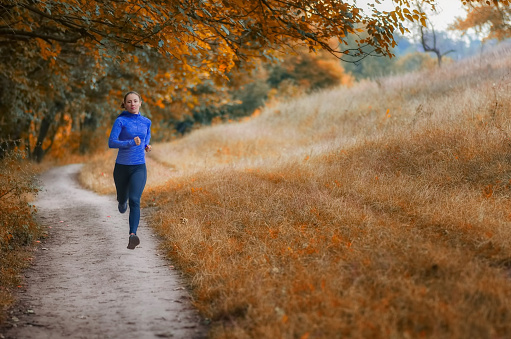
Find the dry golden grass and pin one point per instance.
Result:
(97, 173)
(19, 230)
(379, 211)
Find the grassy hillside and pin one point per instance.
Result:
(377, 211)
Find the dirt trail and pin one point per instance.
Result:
(86, 284)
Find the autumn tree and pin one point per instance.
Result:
(428, 38)
(429, 44)
(490, 19)
(309, 71)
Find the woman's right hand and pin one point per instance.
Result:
(137, 140)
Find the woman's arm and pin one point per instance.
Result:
(114, 142)
(147, 136)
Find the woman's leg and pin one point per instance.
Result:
(121, 180)
(137, 183)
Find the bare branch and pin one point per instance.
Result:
(15, 33)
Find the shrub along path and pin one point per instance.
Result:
(84, 282)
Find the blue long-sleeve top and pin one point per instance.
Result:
(126, 127)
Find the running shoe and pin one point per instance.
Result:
(133, 242)
(122, 207)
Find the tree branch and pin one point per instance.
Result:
(9, 191)
(14, 33)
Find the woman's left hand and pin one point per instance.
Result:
(148, 148)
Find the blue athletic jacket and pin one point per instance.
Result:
(126, 127)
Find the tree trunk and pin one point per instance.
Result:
(38, 153)
(87, 128)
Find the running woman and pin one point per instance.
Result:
(131, 134)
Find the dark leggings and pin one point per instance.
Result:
(130, 182)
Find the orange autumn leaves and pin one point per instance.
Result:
(232, 29)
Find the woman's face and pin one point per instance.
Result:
(132, 103)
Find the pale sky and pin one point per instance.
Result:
(447, 10)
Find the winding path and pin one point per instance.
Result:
(84, 282)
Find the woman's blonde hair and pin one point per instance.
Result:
(126, 95)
